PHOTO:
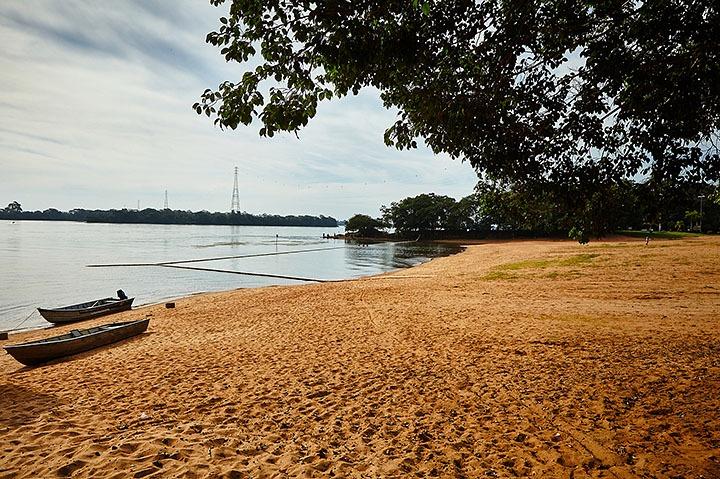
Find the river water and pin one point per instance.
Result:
(44, 264)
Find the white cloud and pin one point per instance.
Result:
(96, 114)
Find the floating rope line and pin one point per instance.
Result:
(277, 253)
(246, 273)
(17, 326)
(218, 258)
(177, 263)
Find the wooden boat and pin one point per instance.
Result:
(82, 311)
(76, 341)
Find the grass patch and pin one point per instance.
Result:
(546, 263)
(504, 271)
(659, 234)
(578, 259)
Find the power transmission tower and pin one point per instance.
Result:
(235, 203)
(166, 201)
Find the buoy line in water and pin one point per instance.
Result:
(217, 258)
(247, 273)
(178, 263)
(17, 326)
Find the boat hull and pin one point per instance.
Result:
(77, 341)
(71, 314)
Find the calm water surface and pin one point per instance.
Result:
(44, 263)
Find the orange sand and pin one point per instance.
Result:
(568, 361)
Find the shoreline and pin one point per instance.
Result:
(15, 332)
(462, 244)
(528, 358)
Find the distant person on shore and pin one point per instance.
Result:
(647, 240)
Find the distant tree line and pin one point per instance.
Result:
(152, 216)
(507, 210)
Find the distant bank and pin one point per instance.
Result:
(169, 217)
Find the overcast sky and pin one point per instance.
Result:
(96, 113)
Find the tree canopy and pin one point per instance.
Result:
(420, 214)
(13, 207)
(364, 225)
(579, 92)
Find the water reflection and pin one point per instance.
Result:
(362, 256)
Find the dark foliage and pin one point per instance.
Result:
(13, 207)
(496, 209)
(152, 216)
(420, 214)
(365, 226)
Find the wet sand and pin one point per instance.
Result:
(517, 359)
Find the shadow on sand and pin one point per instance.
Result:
(21, 405)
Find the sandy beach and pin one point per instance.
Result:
(516, 359)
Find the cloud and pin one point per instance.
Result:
(97, 113)
(121, 30)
